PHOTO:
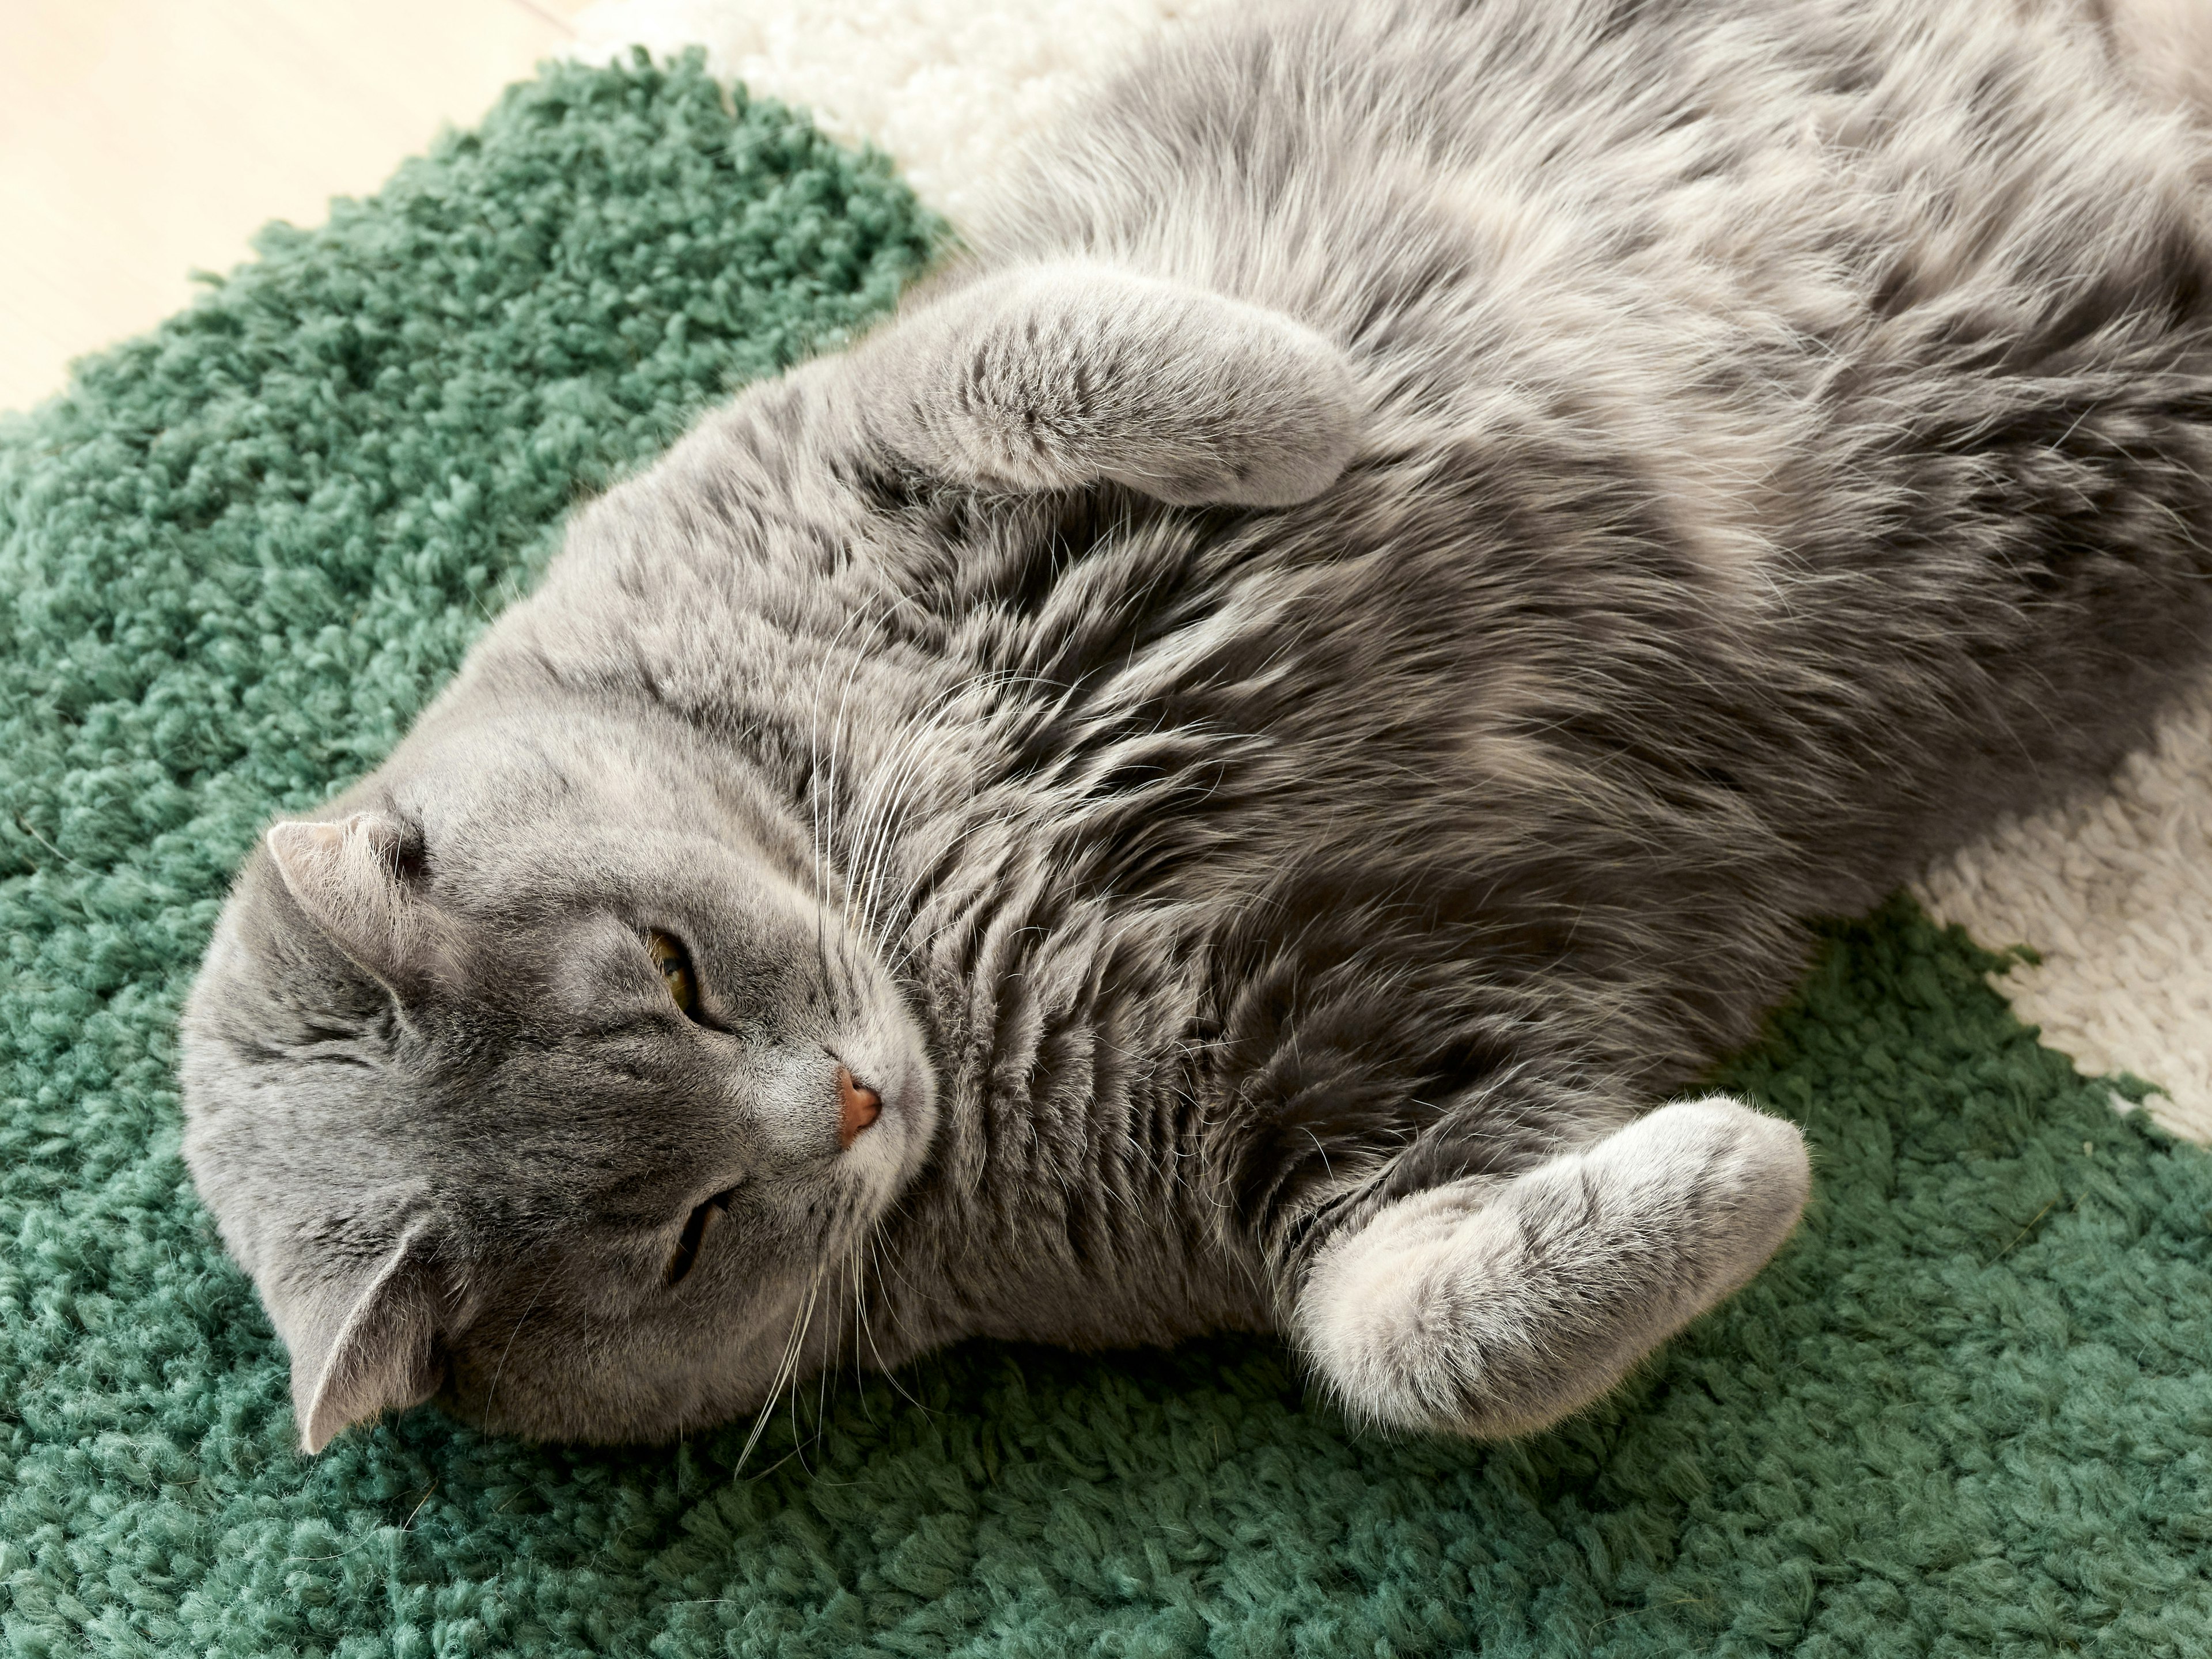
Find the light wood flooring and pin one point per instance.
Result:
(141, 140)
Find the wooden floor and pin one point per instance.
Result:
(141, 140)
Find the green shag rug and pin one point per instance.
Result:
(1967, 1411)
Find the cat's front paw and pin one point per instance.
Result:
(1494, 1309)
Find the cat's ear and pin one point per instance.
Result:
(1053, 377)
(359, 880)
(363, 1343)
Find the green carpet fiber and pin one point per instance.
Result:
(1967, 1411)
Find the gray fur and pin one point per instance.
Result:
(1271, 715)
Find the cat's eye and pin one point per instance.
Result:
(696, 1228)
(674, 964)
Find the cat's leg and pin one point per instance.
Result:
(1493, 1307)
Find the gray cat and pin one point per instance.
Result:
(1215, 771)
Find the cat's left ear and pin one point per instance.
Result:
(1051, 377)
(362, 1342)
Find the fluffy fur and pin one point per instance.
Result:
(2110, 891)
(2113, 892)
(1270, 716)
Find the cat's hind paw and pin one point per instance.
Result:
(1494, 1309)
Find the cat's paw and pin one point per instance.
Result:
(1059, 376)
(1494, 1309)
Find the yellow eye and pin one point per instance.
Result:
(675, 965)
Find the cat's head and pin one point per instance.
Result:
(538, 1076)
(542, 1073)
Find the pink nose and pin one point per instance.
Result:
(857, 1108)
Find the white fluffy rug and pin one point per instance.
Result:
(948, 87)
(2114, 897)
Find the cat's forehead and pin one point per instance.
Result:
(538, 781)
(522, 804)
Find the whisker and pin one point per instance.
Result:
(859, 1386)
(828, 840)
(500, 1370)
(902, 769)
(837, 726)
(815, 792)
(786, 1364)
(813, 1293)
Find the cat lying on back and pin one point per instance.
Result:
(1224, 768)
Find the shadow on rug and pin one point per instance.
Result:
(1967, 1411)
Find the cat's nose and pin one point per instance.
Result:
(857, 1108)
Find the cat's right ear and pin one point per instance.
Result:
(359, 880)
